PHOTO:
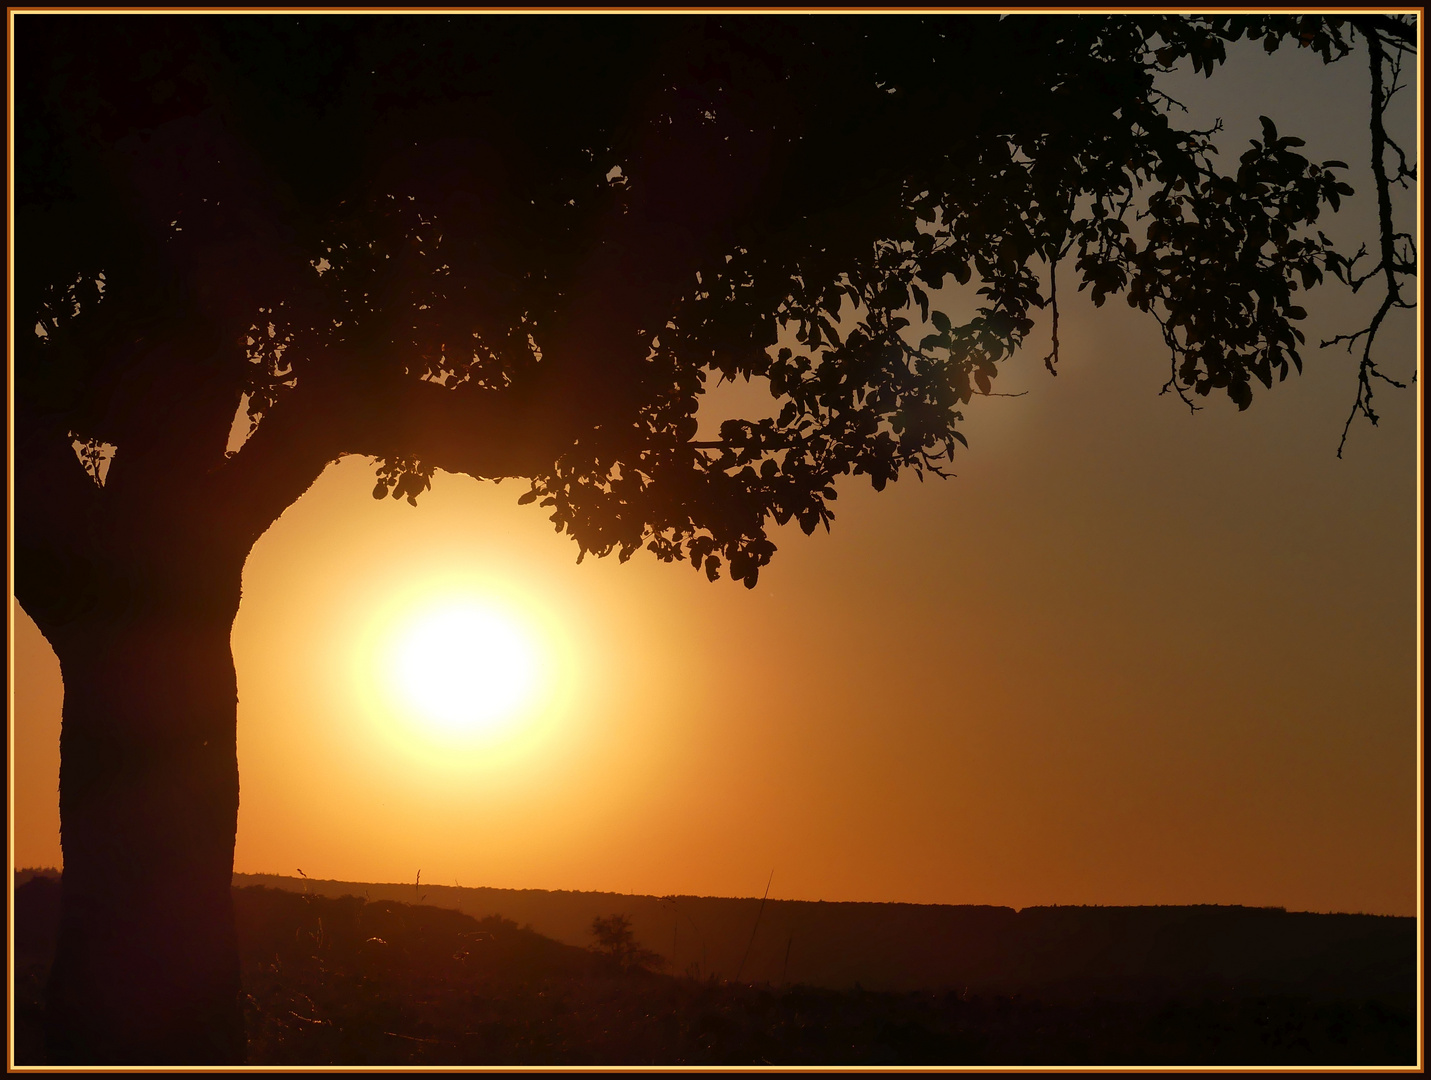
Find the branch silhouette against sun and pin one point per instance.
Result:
(1396, 250)
(525, 248)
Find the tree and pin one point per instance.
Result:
(616, 941)
(522, 247)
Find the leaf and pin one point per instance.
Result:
(940, 320)
(922, 298)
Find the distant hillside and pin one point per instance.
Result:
(1051, 951)
(342, 981)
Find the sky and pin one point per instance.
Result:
(1129, 655)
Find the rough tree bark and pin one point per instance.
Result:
(137, 595)
(147, 967)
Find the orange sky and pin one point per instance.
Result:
(1128, 656)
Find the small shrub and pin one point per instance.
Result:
(616, 941)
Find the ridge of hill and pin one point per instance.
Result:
(351, 980)
(1055, 951)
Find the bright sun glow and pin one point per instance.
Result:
(465, 668)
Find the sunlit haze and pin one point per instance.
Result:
(463, 668)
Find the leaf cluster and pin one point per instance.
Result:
(863, 215)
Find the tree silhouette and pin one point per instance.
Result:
(616, 941)
(246, 247)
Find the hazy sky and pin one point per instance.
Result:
(1128, 656)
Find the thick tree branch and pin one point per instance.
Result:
(467, 429)
(55, 502)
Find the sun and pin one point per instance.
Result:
(464, 667)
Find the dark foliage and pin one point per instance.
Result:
(257, 206)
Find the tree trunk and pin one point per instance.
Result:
(146, 970)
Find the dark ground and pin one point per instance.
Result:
(344, 981)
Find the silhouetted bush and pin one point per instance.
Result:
(616, 944)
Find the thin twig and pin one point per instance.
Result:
(1390, 263)
(759, 911)
(1051, 359)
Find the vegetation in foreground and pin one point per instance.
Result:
(344, 981)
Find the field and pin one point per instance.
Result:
(345, 980)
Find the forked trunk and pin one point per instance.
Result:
(146, 970)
